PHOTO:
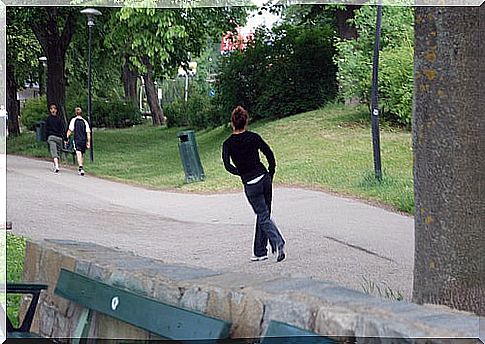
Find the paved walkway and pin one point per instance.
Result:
(328, 237)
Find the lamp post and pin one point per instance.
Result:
(91, 13)
(42, 76)
(374, 99)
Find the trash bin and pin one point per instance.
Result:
(40, 131)
(190, 156)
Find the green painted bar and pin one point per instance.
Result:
(159, 318)
(281, 333)
(23, 335)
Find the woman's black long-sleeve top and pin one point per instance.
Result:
(244, 149)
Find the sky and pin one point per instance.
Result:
(254, 20)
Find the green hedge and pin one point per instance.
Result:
(106, 113)
(198, 112)
(396, 84)
(284, 72)
(34, 110)
(112, 113)
(354, 60)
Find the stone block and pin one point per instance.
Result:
(51, 273)
(195, 299)
(343, 297)
(74, 311)
(246, 315)
(135, 263)
(291, 309)
(50, 264)
(83, 266)
(154, 338)
(109, 258)
(24, 305)
(73, 314)
(31, 261)
(60, 327)
(70, 244)
(236, 281)
(448, 325)
(166, 292)
(243, 311)
(179, 272)
(337, 321)
(294, 285)
(138, 283)
(68, 263)
(371, 326)
(99, 272)
(219, 303)
(46, 322)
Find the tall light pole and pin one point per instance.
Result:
(42, 76)
(374, 99)
(91, 13)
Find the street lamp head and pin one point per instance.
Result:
(91, 13)
(43, 60)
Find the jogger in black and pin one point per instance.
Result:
(55, 129)
(243, 147)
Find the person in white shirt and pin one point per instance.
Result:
(82, 137)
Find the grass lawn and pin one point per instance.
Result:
(328, 149)
(15, 267)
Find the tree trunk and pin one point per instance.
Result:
(54, 43)
(152, 95)
(346, 31)
(449, 238)
(13, 105)
(56, 80)
(130, 78)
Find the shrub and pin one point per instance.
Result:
(107, 113)
(176, 113)
(198, 112)
(354, 60)
(35, 109)
(112, 114)
(115, 114)
(292, 71)
(396, 84)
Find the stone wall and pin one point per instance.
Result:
(249, 302)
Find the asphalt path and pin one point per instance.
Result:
(328, 237)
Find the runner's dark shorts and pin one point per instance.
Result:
(80, 146)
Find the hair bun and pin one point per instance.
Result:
(239, 117)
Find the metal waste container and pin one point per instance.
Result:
(190, 156)
(40, 131)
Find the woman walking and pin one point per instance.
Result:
(243, 147)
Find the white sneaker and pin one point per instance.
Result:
(81, 172)
(258, 259)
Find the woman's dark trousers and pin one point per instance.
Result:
(259, 196)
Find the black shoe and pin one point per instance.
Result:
(280, 253)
